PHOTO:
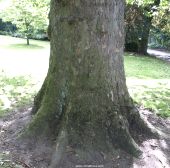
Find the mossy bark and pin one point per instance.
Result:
(84, 102)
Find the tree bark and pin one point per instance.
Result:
(84, 102)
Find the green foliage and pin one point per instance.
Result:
(140, 16)
(139, 2)
(146, 2)
(161, 19)
(159, 10)
(146, 85)
(159, 39)
(27, 15)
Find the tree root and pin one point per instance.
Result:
(137, 123)
(39, 97)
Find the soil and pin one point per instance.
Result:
(29, 154)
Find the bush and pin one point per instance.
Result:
(159, 39)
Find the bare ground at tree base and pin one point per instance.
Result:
(15, 152)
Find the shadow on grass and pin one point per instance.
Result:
(25, 46)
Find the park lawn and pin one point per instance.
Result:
(148, 81)
(22, 71)
(23, 68)
(16, 93)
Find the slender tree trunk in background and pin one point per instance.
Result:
(137, 32)
(28, 42)
(143, 41)
(84, 103)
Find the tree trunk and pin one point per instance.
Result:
(137, 30)
(28, 42)
(143, 41)
(84, 103)
(138, 24)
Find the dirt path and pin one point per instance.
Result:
(156, 152)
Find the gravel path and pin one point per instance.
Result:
(164, 55)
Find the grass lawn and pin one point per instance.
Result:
(23, 68)
(148, 81)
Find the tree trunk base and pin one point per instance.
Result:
(88, 142)
(93, 150)
(66, 155)
(87, 126)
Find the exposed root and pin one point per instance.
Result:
(139, 124)
(38, 98)
(120, 135)
(62, 142)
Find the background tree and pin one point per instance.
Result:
(84, 102)
(138, 19)
(160, 31)
(27, 15)
(7, 28)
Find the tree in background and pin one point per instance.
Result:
(7, 28)
(161, 17)
(27, 15)
(84, 104)
(138, 19)
(160, 31)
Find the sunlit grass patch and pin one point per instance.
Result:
(143, 67)
(6, 163)
(22, 70)
(24, 46)
(11, 43)
(148, 82)
(154, 96)
(15, 93)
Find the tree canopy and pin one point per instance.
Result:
(27, 15)
(161, 18)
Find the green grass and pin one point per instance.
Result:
(22, 70)
(15, 93)
(6, 163)
(148, 81)
(146, 68)
(12, 43)
(24, 46)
